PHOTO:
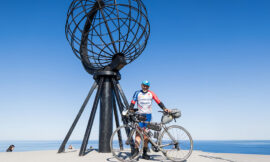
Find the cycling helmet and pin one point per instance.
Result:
(146, 82)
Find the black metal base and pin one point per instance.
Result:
(109, 92)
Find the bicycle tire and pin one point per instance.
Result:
(176, 152)
(124, 154)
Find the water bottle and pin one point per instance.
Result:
(156, 134)
(150, 134)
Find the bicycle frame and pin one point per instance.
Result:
(165, 140)
(135, 126)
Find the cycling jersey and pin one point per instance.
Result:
(144, 101)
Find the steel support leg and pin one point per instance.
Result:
(91, 119)
(121, 92)
(117, 124)
(62, 147)
(120, 105)
(117, 96)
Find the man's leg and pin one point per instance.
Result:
(137, 140)
(137, 143)
(145, 147)
(145, 141)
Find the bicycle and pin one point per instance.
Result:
(174, 141)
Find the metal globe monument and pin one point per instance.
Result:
(105, 35)
(101, 30)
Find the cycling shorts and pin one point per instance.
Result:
(148, 119)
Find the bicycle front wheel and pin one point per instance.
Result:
(123, 143)
(176, 142)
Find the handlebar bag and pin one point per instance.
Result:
(176, 113)
(166, 119)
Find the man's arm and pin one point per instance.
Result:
(131, 106)
(133, 101)
(160, 104)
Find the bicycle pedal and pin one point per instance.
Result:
(154, 149)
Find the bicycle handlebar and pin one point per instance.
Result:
(165, 113)
(131, 115)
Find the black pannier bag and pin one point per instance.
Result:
(141, 118)
(154, 126)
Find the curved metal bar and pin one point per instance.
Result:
(99, 29)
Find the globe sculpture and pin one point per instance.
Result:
(105, 35)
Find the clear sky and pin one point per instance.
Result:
(209, 58)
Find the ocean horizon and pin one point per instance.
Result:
(261, 147)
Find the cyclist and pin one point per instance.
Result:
(144, 99)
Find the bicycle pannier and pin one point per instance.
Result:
(154, 126)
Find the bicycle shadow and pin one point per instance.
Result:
(161, 158)
(157, 158)
(124, 156)
(112, 159)
(152, 158)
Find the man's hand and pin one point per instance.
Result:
(167, 110)
(131, 110)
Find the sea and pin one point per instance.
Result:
(233, 146)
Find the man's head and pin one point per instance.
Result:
(11, 147)
(145, 85)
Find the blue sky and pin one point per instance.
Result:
(208, 58)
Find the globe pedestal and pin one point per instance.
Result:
(105, 119)
(109, 92)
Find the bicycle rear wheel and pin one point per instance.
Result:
(176, 142)
(121, 147)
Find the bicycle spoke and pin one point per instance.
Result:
(177, 143)
(124, 154)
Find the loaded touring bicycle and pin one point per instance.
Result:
(173, 141)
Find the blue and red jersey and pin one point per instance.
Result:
(144, 101)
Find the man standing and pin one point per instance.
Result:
(144, 99)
